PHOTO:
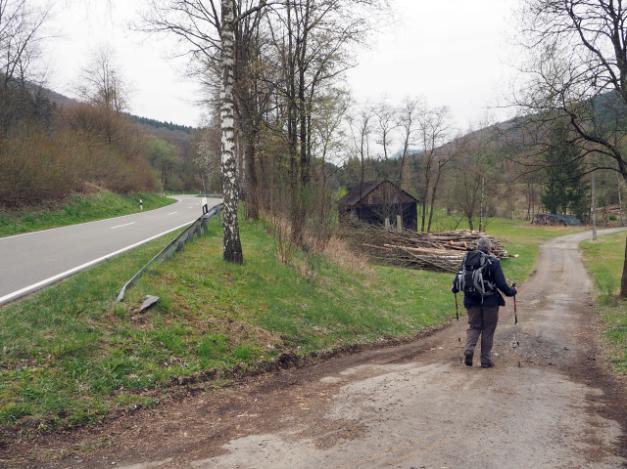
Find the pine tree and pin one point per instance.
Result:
(565, 189)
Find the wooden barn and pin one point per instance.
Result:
(380, 203)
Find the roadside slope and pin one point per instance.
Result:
(604, 259)
(79, 209)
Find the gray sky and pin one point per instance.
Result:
(457, 53)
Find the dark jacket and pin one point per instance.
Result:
(494, 273)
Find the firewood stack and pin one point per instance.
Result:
(442, 252)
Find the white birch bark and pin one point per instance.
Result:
(232, 243)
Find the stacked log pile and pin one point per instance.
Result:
(442, 252)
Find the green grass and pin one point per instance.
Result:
(70, 355)
(604, 259)
(78, 209)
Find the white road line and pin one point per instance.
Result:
(31, 233)
(122, 226)
(36, 286)
(172, 213)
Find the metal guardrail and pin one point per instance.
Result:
(197, 228)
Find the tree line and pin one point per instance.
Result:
(287, 133)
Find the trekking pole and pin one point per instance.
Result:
(515, 306)
(456, 307)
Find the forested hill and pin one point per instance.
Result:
(90, 144)
(160, 124)
(62, 101)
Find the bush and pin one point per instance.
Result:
(36, 167)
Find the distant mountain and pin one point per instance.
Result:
(160, 124)
(153, 126)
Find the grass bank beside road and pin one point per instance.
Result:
(78, 209)
(70, 355)
(604, 259)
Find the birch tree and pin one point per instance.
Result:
(232, 243)
(208, 27)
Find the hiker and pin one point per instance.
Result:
(480, 277)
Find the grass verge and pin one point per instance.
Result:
(604, 260)
(70, 355)
(79, 209)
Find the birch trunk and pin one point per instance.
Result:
(232, 243)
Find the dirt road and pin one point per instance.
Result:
(548, 403)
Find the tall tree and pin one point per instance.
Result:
(579, 50)
(209, 28)
(361, 128)
(433, 128)
(386, 122)
(232, 243)
(20, 35)
(407, 123)
(565, 190)
(310, 39)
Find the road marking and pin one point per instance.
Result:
(172, 213)
(31, 233)
(43, 283)
(122, 226)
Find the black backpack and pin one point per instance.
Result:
(473, 278)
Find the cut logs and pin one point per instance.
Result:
(442, 252)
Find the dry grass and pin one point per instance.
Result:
(338, 252)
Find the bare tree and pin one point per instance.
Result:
(361, 128)
(386, 123)
(442, 161)
(433, 128)
(20, 35)
(102, 83)
(407, 122)
(580, 63)
(310, 38)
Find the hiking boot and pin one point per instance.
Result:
(487, 365)
(468, 358)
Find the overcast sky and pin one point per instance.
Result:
(457, 53)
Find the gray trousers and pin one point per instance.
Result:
(482, 322)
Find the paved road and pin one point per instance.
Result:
(31, 261)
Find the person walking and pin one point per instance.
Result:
(481, 279)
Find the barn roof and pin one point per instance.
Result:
(355, 195)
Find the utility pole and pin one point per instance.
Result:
(620, 200)
(593, 207)
(481, 216)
